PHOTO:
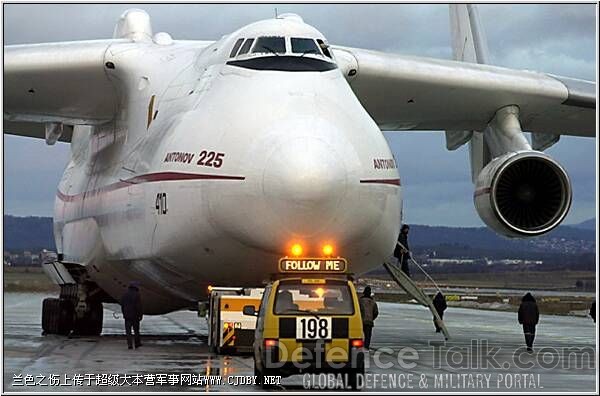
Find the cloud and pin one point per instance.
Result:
(559, 39)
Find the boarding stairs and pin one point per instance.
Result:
(413, 290)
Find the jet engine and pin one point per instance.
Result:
(523, 194)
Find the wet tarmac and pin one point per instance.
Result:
(484, 354)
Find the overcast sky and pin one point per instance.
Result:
(558, 39)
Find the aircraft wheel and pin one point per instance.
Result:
(57, 316)
(91, 323)
(50, 316)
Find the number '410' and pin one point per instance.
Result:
(161, 203)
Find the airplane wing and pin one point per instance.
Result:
(56, 82)
(64, 83)
(406, 92)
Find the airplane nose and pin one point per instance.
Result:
(304, 181)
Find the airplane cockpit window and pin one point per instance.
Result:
(246, 46)
(274, 45)
(324, 47)
(304, 46)
(270, 53)
(236, 47)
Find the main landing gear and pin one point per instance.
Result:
(73, 312)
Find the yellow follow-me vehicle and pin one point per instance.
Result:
(309, 321)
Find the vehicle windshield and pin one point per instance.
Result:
(331, 298)
(274, 45)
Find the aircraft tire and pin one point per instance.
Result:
(91, 323)
(57, 316)
(50, 315)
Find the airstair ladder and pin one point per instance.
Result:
(415, 292)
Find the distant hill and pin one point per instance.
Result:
(586, 225)
(481, 241)
(483, 237)
(28, 233)
(36, 233)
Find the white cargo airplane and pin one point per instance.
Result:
(197, 163)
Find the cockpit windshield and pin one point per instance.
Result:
(274, 45)
(246, 46)
(304, 46)
(276, 53)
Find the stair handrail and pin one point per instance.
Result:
(421, 268)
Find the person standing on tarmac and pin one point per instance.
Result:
(529, 316)
(131, 306)
(593, 311)
(402, 250)
(439, 302)
(368, 312)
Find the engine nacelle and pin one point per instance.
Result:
(523, 194)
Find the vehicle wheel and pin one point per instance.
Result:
(353, 378)
(260, 376)
(212, 347)
(257, 372)
(91, 323)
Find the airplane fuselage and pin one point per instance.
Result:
(211, 171)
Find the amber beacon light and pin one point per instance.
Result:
(297, 250)
(328, 250)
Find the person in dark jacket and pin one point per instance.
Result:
(368, 312)
(402, 250)
(439, 302)
(593, 311)
(131, 306)
(529, 316)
